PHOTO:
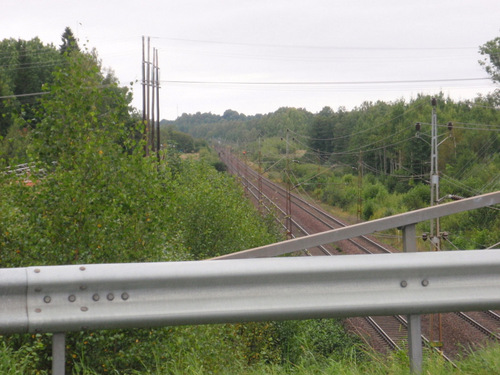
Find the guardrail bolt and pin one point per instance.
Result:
(38, 310)
(110, 296)
(83, 287)
(82, 268)
(38, 290)
(72, 298)
(425, 282)
(47, 299)
(404, 284)
(84, 308)
(96, 297)
(37, 270)
(125, 296)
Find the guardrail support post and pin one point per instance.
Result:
(414, 326)
(58, 353)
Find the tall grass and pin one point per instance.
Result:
(192, 361)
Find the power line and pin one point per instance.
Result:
(48, 92)
(321, 83)
(32, 65)
(486, 127)
(469, 128)
(362, 147)
(24, 95)
(413, 108)
(320, 47)
(484, 106)
(15, 53)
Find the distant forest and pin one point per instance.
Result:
(383, 134)
(375, 159)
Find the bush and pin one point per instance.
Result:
(214, 215)
(416, 198)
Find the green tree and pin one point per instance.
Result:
(228, 223)
(491, 61)
(93, 198)
(322, 132)
(69, 42)
(182, 141)
(83, 112)
(25, 66)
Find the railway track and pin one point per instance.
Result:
(306, 218)
(271, 193)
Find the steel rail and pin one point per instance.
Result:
(370, 320)
(335, 220)
(382, 334)
(493, 314)
(385, 336)
(478, 326)
(294, 222)
(280, 190)
(427, 342)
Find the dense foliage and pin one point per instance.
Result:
(372, 161)
(89, 195)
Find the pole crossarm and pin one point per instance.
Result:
(396, 221)
(133, 295)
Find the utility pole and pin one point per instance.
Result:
(360, 185)
(245, 173)
(148, 84)
(158, 143)
(152, 83)
(144, 123)
(260, 179)
(150, 90)
(288, 192)
(435, 234)
(435, 237)
(319, 161)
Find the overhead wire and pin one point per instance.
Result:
(413, 108)
(48, 92)
(461, 174)
(14, 52)
(24, 95)
(298, 46)
(460, 185)
(373, 169)
(474, 128)
(484, 106)
(269, 168)
(34, 65)
(492, 184)
(321, 83)
(487, 127)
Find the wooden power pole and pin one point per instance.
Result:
(150, 98)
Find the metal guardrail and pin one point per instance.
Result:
(102, 296)
(351, 231)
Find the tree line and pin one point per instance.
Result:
(374, 158)
(89, 195)
(381, 134)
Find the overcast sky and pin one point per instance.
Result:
(323, 52)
